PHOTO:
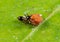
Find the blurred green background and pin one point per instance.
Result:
(12, 30)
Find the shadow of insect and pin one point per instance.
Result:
(22, 25)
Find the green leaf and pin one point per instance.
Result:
(12, 30)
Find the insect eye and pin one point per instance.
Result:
(20, 18)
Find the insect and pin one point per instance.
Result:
(33, 19)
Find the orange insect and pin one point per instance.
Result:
(34, 19)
